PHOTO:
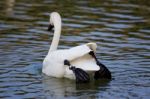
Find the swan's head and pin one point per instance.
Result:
(54, 21)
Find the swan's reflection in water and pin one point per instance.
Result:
(58, 88)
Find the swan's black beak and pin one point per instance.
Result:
(50, 27)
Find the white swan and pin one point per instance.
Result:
(53, 64)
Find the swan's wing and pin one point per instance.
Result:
(79, 51)
(86, 63)
(80, 58)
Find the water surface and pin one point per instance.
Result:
(119, 27)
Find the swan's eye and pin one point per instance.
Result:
(50, 27)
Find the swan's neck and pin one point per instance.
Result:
(56, 37)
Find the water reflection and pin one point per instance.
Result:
(63, 88)
(120, 28)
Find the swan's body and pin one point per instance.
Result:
(53, 64)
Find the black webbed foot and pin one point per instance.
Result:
(103, 72)
(80, 74)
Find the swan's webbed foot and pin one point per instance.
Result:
(103, 72)
(80, 74)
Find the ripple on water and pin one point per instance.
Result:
(120, 29)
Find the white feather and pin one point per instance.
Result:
(53, 64)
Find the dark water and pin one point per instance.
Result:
(121, 28)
